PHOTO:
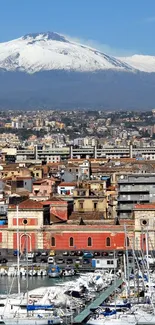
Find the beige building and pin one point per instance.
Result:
(86, 200)
(144, 215)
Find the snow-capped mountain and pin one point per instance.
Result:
(144, 63)
(51, 51)
(47, 70)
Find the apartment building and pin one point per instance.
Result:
(133, 189)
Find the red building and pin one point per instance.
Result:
(43, 233)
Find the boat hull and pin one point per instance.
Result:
(31, 321)
(54, 275)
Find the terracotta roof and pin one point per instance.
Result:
(147, 206)
(55, 198)
(28, 204)
(16, 178)
(56, 219)
(45, 202)
(38, 182)
(67, 184)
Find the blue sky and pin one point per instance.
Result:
(118, 27)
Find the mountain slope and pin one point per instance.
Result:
(46, 70)
(51, 51)
(144, 63)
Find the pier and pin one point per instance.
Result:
(80, 318)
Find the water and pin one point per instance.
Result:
(34, 282)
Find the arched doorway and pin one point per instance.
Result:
(25, 243)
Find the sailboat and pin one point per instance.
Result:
(29, 318)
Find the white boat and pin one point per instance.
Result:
(32, 320)
(32, 272)
(112, 321)
(68, 272)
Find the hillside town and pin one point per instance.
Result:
(77, 179)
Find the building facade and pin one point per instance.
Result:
(132, 189)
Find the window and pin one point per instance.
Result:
(127, 242)
(110, 262)
(89, 241)
(37, 174)
(108, 241)
(71, 241)
(53, 241)
(81, 205)
(95, 206)
(20, 184)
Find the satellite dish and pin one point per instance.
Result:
(122, 176)
(1, 167)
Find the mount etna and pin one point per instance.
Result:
(46, 70)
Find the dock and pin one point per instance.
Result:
(80, 318)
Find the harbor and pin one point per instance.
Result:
(121, 293)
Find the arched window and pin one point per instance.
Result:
(53, 241)
(144, 244)
(89, 241)
(71, 241)
(126, 242)
(108, 241)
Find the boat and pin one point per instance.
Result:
(54, 271)
(68, 271)
(40, 319)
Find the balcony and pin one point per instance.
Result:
(145, 198)
(149, 180)
(133, 189)
(125, 208)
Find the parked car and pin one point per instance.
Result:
(66, 253)
(86, 261)
(88, 255)
(52, 253)
(79, 253)
(50, 260)
(37, 253)
(96, 253)
(31, 258)
(120, 253)
(15, 252)
(69, 261)
(72, 253)
(77, 261)
(111, 254)
(104, 253)
(44, 253)
(44, 259)
(30, 255)
(3, 260)
(60, 261)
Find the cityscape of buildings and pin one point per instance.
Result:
(78, 178)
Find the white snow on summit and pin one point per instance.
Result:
(51, 51)
(144, 63)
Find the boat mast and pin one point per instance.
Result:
(147, 262)
(127, 261)
(27, 274)
(18, 257)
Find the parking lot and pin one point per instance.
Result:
(62, 258)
